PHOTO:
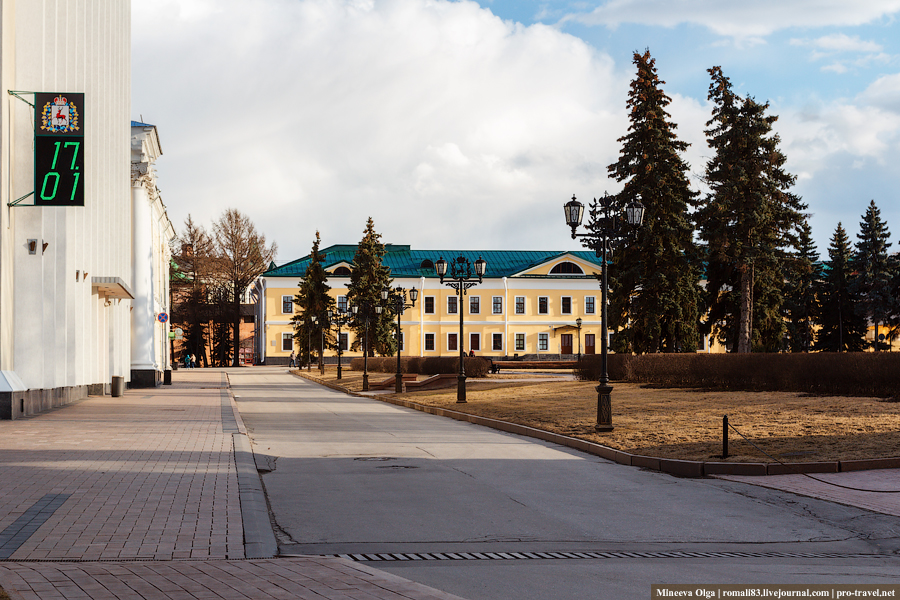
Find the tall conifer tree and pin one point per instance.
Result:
(656, 277)
(368, 277)
(313, 300)
(842, 327)
(748, 220)
(874, 270)
(804, 275)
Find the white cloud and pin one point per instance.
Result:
(738, 18)
(432, 117)
(839, 42)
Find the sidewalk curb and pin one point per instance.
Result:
(259, 539)
(676, 467)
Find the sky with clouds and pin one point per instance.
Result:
(467, 125)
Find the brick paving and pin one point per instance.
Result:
(147, 486)
(881, 479)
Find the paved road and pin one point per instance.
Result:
(476, 513)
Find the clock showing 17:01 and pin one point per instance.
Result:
(59, 149)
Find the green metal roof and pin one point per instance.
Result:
(405, 262)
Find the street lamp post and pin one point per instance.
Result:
(395, 301)
(367, 311)
(462, 278)
(312, 322)
(342, 317)
(604, 228)
(578, 325)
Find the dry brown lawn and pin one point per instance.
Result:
(680, 423)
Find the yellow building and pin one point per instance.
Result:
(527, 305)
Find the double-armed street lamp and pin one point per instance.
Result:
(342, 317)
(394, 300)
(368, 312)
(462, 278)
(605, 227)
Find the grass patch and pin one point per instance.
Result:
(683, 423)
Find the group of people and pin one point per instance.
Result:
(189, 361)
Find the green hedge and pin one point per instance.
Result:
(828, 373)
(475, 366)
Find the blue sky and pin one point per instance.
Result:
(464, 124)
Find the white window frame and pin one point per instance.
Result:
(433, 305)
(543, 340)
(429, 336)
(453, 299)
(494, 301)
(524, 308)
(524, 339)
(283, 302)
(289, 338)
(345, 342)
(477, 301)
(493, 338)
(474, 336)
(456, 337)
(562, 305)
(592, 305)
(546, 300)
(342, 300)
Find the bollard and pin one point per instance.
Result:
(725, 436)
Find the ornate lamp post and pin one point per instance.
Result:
(312, 321)
(395, 302)
(578, 325)
(605, 227)
(367, 314)
(342, 317)
(462, 279)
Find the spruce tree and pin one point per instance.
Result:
(368, 277)
(804, 275)
(313, 300)
(842, 327)
(747, 222)
(656, 277)
(874, 270)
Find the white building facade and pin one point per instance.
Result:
(66, 272)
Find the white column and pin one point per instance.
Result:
(142, 314)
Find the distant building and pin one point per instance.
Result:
(527, 305)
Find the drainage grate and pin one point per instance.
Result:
(12, 538)
(397, 556)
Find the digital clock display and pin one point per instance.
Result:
(59, 149)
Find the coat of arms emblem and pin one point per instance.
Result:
(59, 116)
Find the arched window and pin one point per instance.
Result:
(427, 265)
(566, 268)
(341, 272)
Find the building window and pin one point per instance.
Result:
(287, 304)
(589, 305)
(520, 305)
(287, 342)
(341, 272)
(543, 305)
(566, 268)
(566, 302)
(520, 342)
(497, 305)
(497, 342)
(543, 341)
(429, 342)
(429, 305)
(474, 305)
(345, 342)
(451, 342)
(475, 342)
(342, 304)
(452, 306)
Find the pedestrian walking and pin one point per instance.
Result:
(293, 362)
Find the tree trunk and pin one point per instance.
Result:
(746, 307)
(236, 331)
